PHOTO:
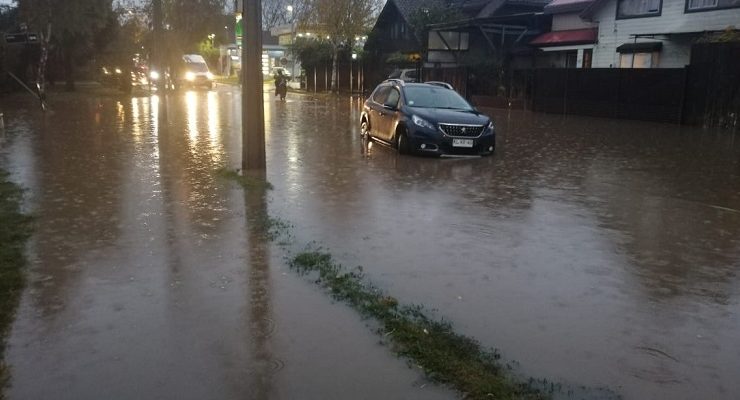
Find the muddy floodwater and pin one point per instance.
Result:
(591, 251)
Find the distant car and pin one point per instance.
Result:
(110, 75)
(406, 75)
(194, 72)
(426, 118)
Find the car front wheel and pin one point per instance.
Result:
(402, 142)
(365, 130)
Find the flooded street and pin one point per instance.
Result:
(590, 251)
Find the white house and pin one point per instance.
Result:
(655, 33)
(571, 40)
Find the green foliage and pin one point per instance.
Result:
(399, 58)
(74, 26)
(190, 21)
(209, 52)
(423, 17)
(730, 34)
(312, 52)
(16, 229)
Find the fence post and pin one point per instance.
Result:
(565, 93)
(619, 93)
(681, 111)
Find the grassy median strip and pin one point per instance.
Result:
(444, 355)
(16, 229)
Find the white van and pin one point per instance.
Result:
(194, 72)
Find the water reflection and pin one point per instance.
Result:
(191, 112)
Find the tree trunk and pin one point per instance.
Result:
(334, 87)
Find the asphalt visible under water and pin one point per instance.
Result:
(593, 252)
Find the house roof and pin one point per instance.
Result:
(408, 7)
(566, 6)
(493, 5)
(589, 11)
(469, 8)
(643, 47)
(563, 38)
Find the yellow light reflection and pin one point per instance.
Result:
(268, 115)
(136, 119)
(154, 115)
(191, 105)
(214, 134)
(119, 112)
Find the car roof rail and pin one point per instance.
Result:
(439, 83)
(398, 81)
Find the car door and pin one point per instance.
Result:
(390, 114)
(376, 111)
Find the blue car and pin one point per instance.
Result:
(426, 118)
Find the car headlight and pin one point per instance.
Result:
(154, 75)
(490, 126)
(189, 76)
(118, 71)
(209, 76)
(423, 123)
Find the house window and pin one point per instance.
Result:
(439, 40)
(571, 59)
(699, 4)
(397, 31)
(638, 60)
(709, 5)
(638, 8)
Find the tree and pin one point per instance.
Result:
(338, 22)
(434, 14)
(74, 25)
(275, 12)
(185, 24)
(279, 12)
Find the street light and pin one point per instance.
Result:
(289, 7)
(351, 77)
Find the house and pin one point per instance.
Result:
(571, 40)
(393, 34)
(655, 33)
(493, 32)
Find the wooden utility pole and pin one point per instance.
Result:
(253, 117)
(156, 50)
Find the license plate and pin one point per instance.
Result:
(462, 142)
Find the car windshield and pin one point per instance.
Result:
(434, 97)
(197, 67)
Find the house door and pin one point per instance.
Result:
(571, 59)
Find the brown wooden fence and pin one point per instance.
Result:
(713, 87)
(643, 94)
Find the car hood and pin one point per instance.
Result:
(445, 116)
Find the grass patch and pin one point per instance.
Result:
(16, 229)
(444, 355)
(245, 181)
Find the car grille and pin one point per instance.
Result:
(467, 131)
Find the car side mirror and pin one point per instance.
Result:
(389, 107)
